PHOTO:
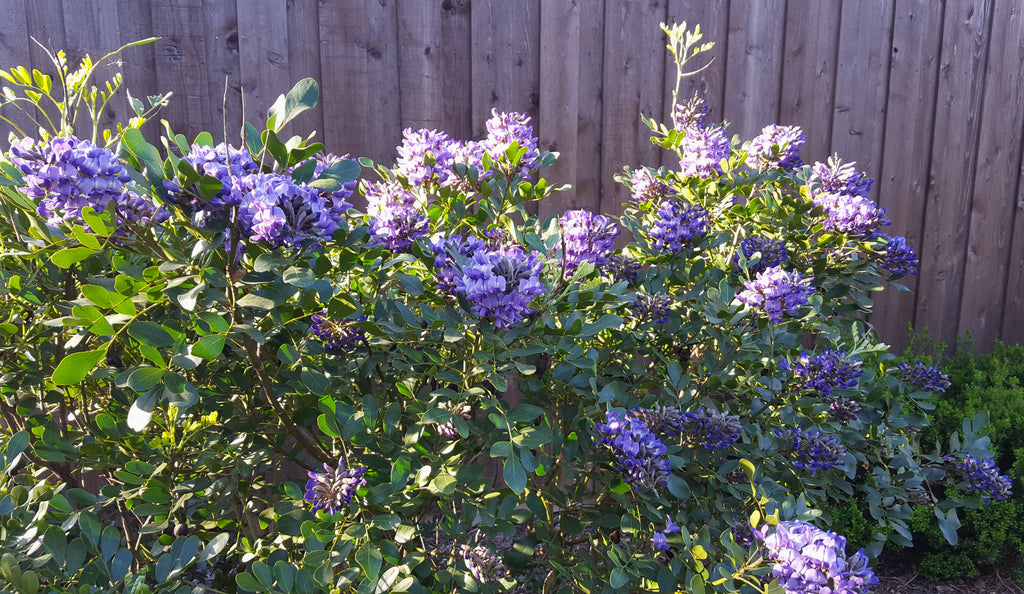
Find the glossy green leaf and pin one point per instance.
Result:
(150, 333)
(67, 257)
(209, 347)
(74, 367)
(141, 411)
(368, 557)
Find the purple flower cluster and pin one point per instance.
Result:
(827, 371)
(772, 252)
(503, 129)
(622, 268)
(849, 213)
(586, 237)
(983, 476)
(425, 156)
(275, 210)
(899, 257)
(812, 449)
(713, 429)
(777, 147)
(923, 377)
(641, 455)
(776, 291)
(396, 218)
(691, 114)
(483, 564)
(336, 202)
(499, 281)
(660, 539)
(702, 151)
(662, 420)
(678, 224)
(66, 175)
(843, 410)
(808, 560)
(448, 430)
(336, 337)
(648, 187)
(334, 488)
(651, 307)
(836, 177)
(224, 162)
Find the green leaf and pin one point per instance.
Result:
(301, 97)
(120, 564)
(515, 474)
(619, 578)
(277, 149)
(142, 379)
(262, 573)
(66, 257)
(203, 139)
(150, 333)
(411, 284)
(90, 528)
(303, 173)
(209, 347)
(85, 238)
(369, 558)
(316, 381)
(252, 140)
(605, 322)
(341, 306)
(74, 367)
(245, 581)
(141, 411)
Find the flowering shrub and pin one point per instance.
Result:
(444, 393)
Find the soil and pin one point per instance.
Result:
(895, 579)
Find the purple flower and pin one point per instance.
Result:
(334, 488)
(482, 563)
(396, 218)
(451, 254)
(899, 257)
(500, 282)
(837, 177)
(471, 154)
(337, 337)
(849, 213)
(641, 455)
(647, 187)
(982, 476)
(622, 268)
(827, 371)
(843, 410)
(678, 224)
(923, 377)
(66, 175)
(776, 291)
(812, 449)
(662, 420)
(772, 252)
(690, 114)
(651, 307)
(702, 151)
(713, 429)
(275, 210)
(660, 541)
(336, 202)
(586, 237)
(504, 129)
(227, 164)
(777, 147)
(424, 157)
(809, 560)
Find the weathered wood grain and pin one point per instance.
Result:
(953, 166)
(862, 80)
(713, 18)
(902, 186)
(559, 101)
(223, 74)
(304, 60)
(753, 74)
(809, 72)
(996, 180)
(263, 56)
(635, 61)
(14, 51)
(181, 64)
(590, 106)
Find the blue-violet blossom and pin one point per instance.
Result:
(899, 257)
(424, 156)
(396, 221)
(809, 560)
(702, 151)
(503, 129)
(336, 337)
(772, 252)
(836, 177)
(923, 377)
(586, 237)
(500, 282)
(983, 476)
(334, 488)
(678, 224)
(776, 291)
(641, 455)
(777, 147)
(812, 449)
(827, 371)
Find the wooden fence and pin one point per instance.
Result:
(925, 95)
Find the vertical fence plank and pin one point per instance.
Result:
(713, 18)
(46, 26)
(903, 184)
(809, 72)
(862, 80)
(754, 68)
(14, 51)
(95, 32)
(634, 62)
(954, 157)
(223, 72)
(559, 101)
(457, 50)
(181, 65)
(263, 53)
(421, 65)
(359, 59)
(995, 183)
(135, 23)
(590, 101)
(1013, 300)
(304, 60)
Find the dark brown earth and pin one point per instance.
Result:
(899, 580)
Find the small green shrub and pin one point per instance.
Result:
(992, 534)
